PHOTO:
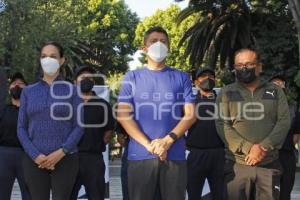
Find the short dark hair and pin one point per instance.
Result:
(279, 76)
(81, 69)
(57, 45)
(157, 29)
(17, 76)
(246, 50)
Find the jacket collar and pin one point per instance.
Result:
(261, 84)
(58, 78)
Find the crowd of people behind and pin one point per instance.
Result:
(240, 139)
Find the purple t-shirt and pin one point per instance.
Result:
(158, 99)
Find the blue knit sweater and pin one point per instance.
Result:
(48, 118)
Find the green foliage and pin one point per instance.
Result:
(94, 32)
(111, 26)
(221, 27)
(297, 79)
(167, 20)
(275, 41)
(114, 83)
(264, 24)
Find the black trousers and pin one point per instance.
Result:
(124, 174)
(288, 163)
(91, 176)
(11, 169)
(205, 164)
(252, 182)
(147, 177)
(60, 181)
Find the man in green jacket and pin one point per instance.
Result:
(253, 122)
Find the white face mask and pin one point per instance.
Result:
(158, 51)
(50, 65)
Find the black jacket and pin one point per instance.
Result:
(203, 134)
(8, 126)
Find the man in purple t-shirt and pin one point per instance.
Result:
(156, 107)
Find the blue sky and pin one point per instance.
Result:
(145, 8)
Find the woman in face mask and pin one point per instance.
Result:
(11, 152)
(48, 129)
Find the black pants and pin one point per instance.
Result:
(11, 169)
(205, 164)
(124, 174)
(288, 163)
(147, 177)
(60, 181)
(252, 182)
(91, 176)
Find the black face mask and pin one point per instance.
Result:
(207, 85)
(86, 85)
(16, 92)
(246, 75)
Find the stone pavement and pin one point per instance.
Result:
(115, 184)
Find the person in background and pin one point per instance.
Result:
(287, 155)
(206, 158)
(11, 151)
(49, 131)
(253, 123)
(98, 129)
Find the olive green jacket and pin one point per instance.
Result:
(246, 118)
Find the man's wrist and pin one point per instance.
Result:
(173, 136)
(146, 143)
(263, 148)
(169, 140)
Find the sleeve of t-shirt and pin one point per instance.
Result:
(127, 89)
(189, 97)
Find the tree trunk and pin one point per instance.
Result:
(295, 8)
